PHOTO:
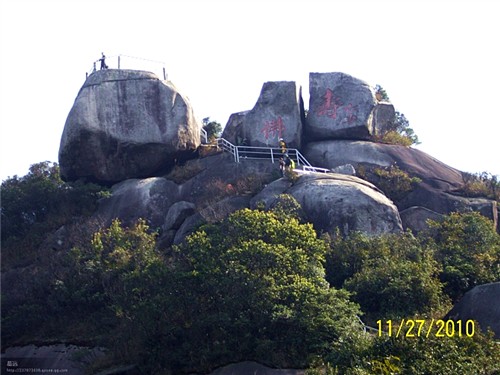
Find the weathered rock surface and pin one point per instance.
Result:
(482, 303)
(415, 218)
(383, 118)
(177, 213)
(233, 131)
(126, 124)
(339, 201)
(210, 214)
(132, 199)
(444, 202)
(268, 196)
(330, 154)
(347, 169)
(275, 115)
(340, 106)
(440, 186)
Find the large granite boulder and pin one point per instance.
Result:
(439, 190)
(126, 124)
(233, 131)
(338, 201)
(275, 115)
(440, 186)
(340, 106)
(482, 303)
(383, 118)
(331, 154)
(149, 199)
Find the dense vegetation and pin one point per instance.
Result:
(256, 285)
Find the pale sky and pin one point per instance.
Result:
(438, 60)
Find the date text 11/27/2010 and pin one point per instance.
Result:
(424, 327)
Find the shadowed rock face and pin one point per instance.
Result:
(132, 199)
(126, 124)
(340, 106)
(482, 303)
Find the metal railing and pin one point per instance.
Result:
(266, 153)
(203, 135)
(130, 62)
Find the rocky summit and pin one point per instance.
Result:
(126, 124)
(131, 128)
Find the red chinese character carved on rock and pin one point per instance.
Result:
(332, 105)
(274, 128)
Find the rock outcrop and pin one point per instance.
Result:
(338, 201)
(132, 199)
(233, 131)
(126, 124)
(383, 118)
(275, 115)
(482, 303)
(331, 154)
(415, 218)
(340, 107)
(441, 184)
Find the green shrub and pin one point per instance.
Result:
(391, 276)
(481, 185)
(394, 138)
(468, 248)
(182, 173)
(394, 182)
(37, 204)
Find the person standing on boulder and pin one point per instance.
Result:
(103, 61)
(288, 162)
(282, 146)
(282, 166)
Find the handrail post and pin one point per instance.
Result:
(272, 156)
(236, 154)
(118, 61)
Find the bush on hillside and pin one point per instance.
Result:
(37, 204)
(249, 287)
(391, 276)
(468, 249)
(485, 185)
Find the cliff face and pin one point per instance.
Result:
(126, 124)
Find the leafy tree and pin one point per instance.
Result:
(36, 204)
(381, 92)
(249, 287)
(417, 355)
(391, 276)
(268, 296)
(468, 247)
(213, 128)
